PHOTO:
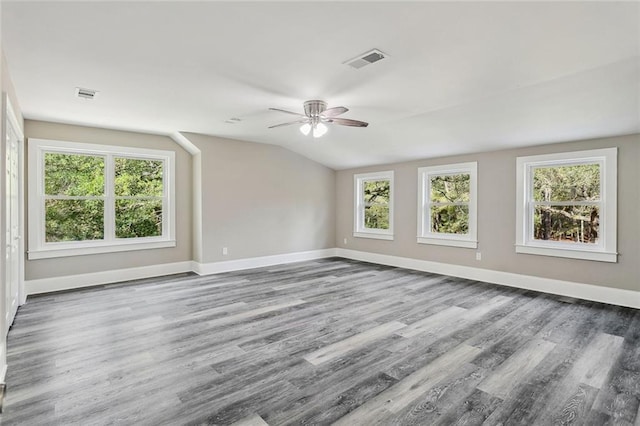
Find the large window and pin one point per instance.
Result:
(567, 205)
(86, 198)
(374, 205)
(447, 205)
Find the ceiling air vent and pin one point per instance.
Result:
(86, 93)
(366, 58)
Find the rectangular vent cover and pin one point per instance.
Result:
(366, 58)
(86, 93)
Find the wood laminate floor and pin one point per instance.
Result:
(321, 342)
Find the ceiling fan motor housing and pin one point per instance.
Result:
(314, 108)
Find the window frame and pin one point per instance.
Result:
(359, 230)
(606, 248)
(40, 249)
(425, 236)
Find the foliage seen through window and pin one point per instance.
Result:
(376, 204)
(567, 203)
(75, 197)
(449, 203)
(138, 190)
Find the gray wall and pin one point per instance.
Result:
(496, 217)
(61, 266)
(261, 200)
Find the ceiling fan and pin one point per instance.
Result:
(316, 114)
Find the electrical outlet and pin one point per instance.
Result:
(345, 241)
(225, 251)
(478, 255)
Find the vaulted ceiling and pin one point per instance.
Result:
(460, 77)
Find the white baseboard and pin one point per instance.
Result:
(258, 262)
(545, 285)
(46, 285)
(3, 375)
(563, 288)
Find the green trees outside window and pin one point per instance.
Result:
(567, 203)
(74, 197)
(447, 201)
(77, 200)
(138, 203)
(376, 204)
(449, 197)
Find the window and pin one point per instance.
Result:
(567, 205)
(374, 205)
(86, 198)
(447, 205)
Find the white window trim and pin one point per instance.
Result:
(606, 249)
(39, 249)
(358, 219)
(425, 236)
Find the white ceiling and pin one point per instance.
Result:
(461, 77)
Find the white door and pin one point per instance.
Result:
(13, 219)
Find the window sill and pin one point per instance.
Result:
(109, 248)
(373, 235)
(448, 242)
(599, 256)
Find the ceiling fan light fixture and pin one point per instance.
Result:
(319, 130)
(316, 117)
(305, 129)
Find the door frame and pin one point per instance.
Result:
(8, 116)
(13, 119)
(10, 119)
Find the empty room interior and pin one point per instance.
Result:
(312, 212)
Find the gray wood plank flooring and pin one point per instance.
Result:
(330, 341)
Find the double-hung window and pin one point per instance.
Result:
(447, 205)
(567, 205)
(374, 205)
(86, 198)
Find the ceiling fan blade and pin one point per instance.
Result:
(290, 123)
(287, 112)
(348, 122)
(332, 112)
